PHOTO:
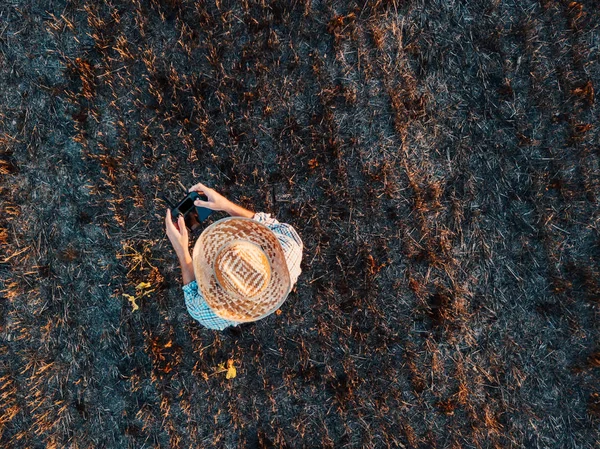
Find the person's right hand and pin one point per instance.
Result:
(216, 201)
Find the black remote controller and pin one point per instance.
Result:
(192, 214)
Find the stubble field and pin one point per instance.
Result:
(440, 160)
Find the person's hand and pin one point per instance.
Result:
(178, 234)
(216, 201)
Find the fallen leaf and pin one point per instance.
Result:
(231, 371)
(143, 285)
(146, 293)
(131, 299)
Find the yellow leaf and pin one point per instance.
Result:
(131, 299)
(231, 371)
(146, 293)
(143, 285)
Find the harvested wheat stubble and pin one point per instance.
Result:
(439, 159)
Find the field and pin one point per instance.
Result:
(439, 158)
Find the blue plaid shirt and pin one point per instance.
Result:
(292, 248)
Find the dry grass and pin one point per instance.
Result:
(440, 160)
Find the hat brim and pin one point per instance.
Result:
(228, 305)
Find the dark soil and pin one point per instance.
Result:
(439, 158)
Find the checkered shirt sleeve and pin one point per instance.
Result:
(199, 310)
(292, 247)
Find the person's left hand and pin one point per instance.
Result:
(178, 234)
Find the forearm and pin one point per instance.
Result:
(238, 211)
(187, 269)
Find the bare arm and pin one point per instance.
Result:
(178, 235)
(238, 211)
(187, 269)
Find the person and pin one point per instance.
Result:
(242, 268)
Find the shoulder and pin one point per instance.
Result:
(264, 218)
(282, 230)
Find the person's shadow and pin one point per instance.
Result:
(256, 439)
(236, 331)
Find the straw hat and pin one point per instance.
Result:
(240, 269)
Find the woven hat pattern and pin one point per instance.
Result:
(242, 268)
(225, 296)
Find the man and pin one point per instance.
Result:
(243, 267)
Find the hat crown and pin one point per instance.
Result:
(243, 268)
